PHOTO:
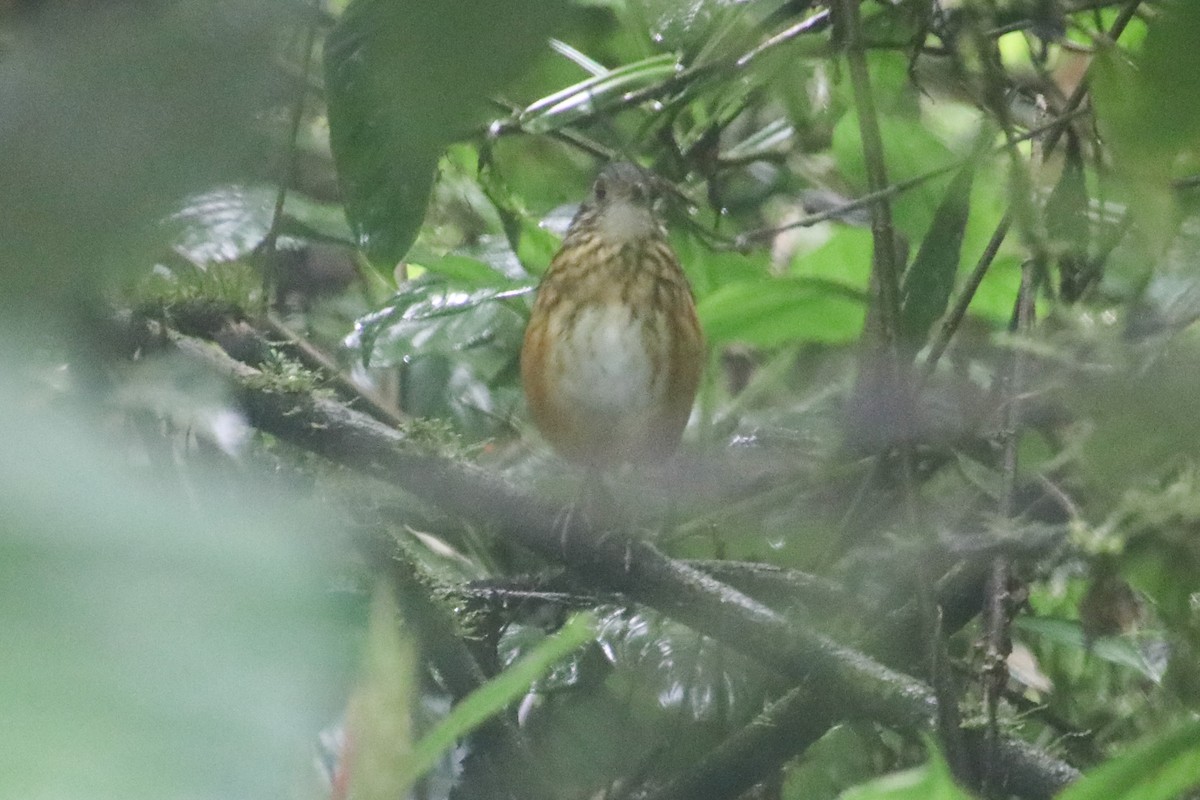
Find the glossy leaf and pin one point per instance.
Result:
(403, 81)
(432, 316)
(467, 271)
(569, 104)
(228, 222)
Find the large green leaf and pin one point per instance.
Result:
(404, 79)
(499, 693)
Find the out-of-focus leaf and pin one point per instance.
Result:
(838, 759)
(844, 259)
(1160, 769)
(403, 81)
(932, 781)
(534, 245)
(1150, 404)
(158, 640)
(113, 112)
(567, 105)
(590, 65)
(379, 720)
(1113, 649)
(929, 280)
(768, 312)
(770, 138)
(709, 269)
(1150, 116)
(994, 299)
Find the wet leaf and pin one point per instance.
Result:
(596, 93)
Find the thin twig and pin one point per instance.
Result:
(267, 247)
(952, 320)
(998, 607)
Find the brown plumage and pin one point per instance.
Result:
(613, 353)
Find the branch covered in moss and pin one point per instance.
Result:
(608, 560)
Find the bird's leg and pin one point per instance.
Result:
(590, 508)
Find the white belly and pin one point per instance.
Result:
(606, 368)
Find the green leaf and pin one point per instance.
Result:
(1067, 226)
(929, 280)
(498, 694)
(771, 311)
(404, 80)
(228, 222)
(844, 259)
(932, 781)
(709, 269)
(1160, 769)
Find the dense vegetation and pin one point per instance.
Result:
(268, 479)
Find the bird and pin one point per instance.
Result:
(613, 353)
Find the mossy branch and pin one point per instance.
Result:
(865, 689)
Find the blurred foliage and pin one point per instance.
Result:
(184, 596)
